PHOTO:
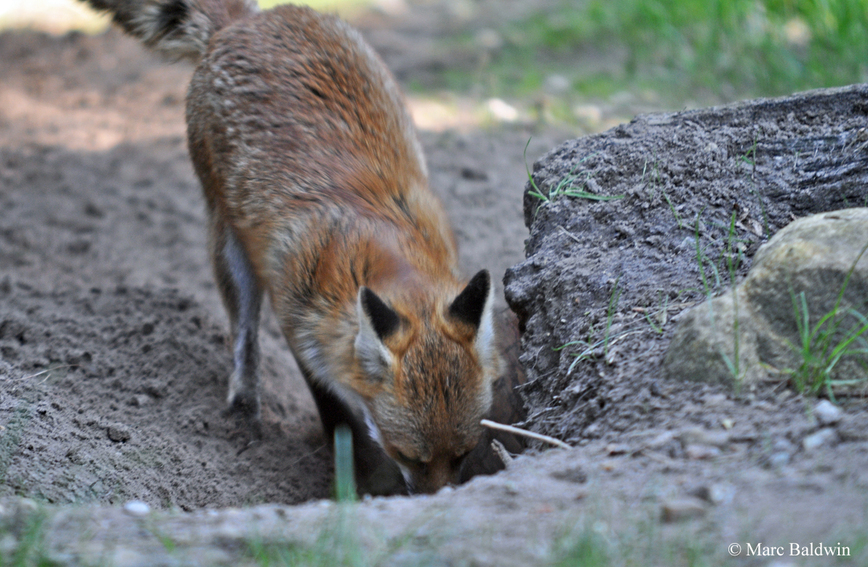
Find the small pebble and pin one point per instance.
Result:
(501, 110)
(119, 432)
(818, 439)
(701, 452)
(721, 493)
(137, 508)
(828, 413)
(779, 459)
(140, 400)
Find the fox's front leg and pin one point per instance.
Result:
(243, 299)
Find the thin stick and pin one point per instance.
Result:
(524, 433)
(501, 452)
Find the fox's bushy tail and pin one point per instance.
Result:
(179, 29)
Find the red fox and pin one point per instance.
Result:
(317, 194)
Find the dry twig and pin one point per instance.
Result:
(524, 433)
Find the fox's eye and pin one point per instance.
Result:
(407, 460)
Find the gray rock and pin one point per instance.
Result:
(721, 493)
(704, 345)
(819, 439)
(778, 459)
(137, 508)
(811, 256)
(828, 413)
(118, 432)
(139, 400)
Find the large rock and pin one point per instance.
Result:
(811, 258)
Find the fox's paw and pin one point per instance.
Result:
(245, 408)
(243, 397)
(244, 404)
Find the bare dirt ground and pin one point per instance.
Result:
(113, 356)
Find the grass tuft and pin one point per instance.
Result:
(822, 346)
(575, 184)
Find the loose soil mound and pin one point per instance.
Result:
(674, 204)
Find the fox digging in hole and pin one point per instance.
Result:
(317, 194)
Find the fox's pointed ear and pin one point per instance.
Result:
(474, 306)
(377, 321)
(382, 318)
(471, 303)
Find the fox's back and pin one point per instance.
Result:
(291, 114)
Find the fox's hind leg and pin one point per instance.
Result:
(242, 298)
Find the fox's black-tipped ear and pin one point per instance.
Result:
(382, 318)
(377, 321)
(470, 304)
